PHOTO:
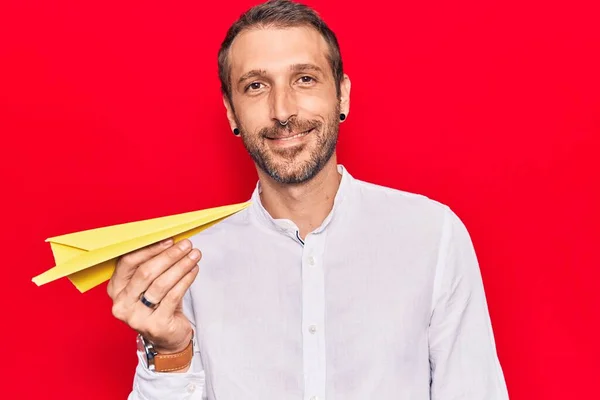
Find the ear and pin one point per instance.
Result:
(230, 114)
(345, 95)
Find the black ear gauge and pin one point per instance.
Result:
(236, 131)
(342, 116)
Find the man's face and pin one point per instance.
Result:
(280, 75)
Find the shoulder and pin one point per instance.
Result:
(383, 206)
(396, 204)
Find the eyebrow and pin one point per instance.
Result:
(252, 74)
(261, 73)
(306, 67)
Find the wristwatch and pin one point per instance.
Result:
(164, 362)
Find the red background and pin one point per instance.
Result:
(111, 112)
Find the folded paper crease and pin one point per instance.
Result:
(88, 258)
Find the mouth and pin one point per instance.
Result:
(291, 137)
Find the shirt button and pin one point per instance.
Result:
(312, 329)
(311, 260)
(190, 388)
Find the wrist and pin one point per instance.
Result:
(175, 348)
(167, 360)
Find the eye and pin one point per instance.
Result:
(306, 80)
(254, 86)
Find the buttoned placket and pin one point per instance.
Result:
(313, 292)
(313, 317)
(313, 308)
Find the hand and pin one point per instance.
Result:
(162, 272)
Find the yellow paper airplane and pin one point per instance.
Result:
(88, 258)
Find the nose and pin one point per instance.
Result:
(283, 104)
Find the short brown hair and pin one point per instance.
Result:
(279, 14)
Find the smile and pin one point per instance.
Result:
(299, 135)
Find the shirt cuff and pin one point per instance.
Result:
(150, 385)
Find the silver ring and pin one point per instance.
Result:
(284, 123)
(147, 302)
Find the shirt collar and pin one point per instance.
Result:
(286, 225)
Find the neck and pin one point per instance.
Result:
(306, 204)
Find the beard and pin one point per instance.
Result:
(282, 165)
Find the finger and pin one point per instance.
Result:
(128, 264)
(140, 315)
(173, 298)
(148, 271)
(165, 282)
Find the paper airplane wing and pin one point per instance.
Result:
(88, 258)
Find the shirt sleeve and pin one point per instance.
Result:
(462, 351)
(150, 385)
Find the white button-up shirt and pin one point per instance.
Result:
(383, 301)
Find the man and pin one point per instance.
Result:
(326, 287)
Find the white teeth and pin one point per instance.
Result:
(295, 136)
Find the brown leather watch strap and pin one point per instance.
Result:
(174, 362)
